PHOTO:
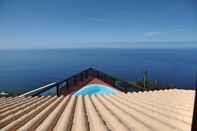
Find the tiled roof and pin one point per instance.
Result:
(167, 110)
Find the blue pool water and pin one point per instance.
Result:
(94, 89)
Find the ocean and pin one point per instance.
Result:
(24, 70)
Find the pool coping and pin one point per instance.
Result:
(86, 86)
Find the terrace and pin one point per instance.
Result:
(111, 107)
(78, 81)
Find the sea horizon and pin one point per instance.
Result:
(24, 70)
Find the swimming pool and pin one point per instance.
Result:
(95, 89)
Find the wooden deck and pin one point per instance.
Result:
(80, 85)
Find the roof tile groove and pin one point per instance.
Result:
(98, 124)
(49, 123)
(33, 123)
(112, 121)
(166, 110)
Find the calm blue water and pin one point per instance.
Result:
(94, 89)
(23, 70)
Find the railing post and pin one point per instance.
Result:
(74, 80)
(81, 77)
(57, 90)
(194, 121)
(68, 83)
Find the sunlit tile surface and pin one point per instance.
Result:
(167, 110)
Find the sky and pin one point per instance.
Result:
(97, 23)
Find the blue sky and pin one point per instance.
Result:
(97, 23)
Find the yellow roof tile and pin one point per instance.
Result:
(167, 110)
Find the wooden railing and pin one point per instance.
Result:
(38, 90)
(85, 75)
(82, 77)
(91, 73)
